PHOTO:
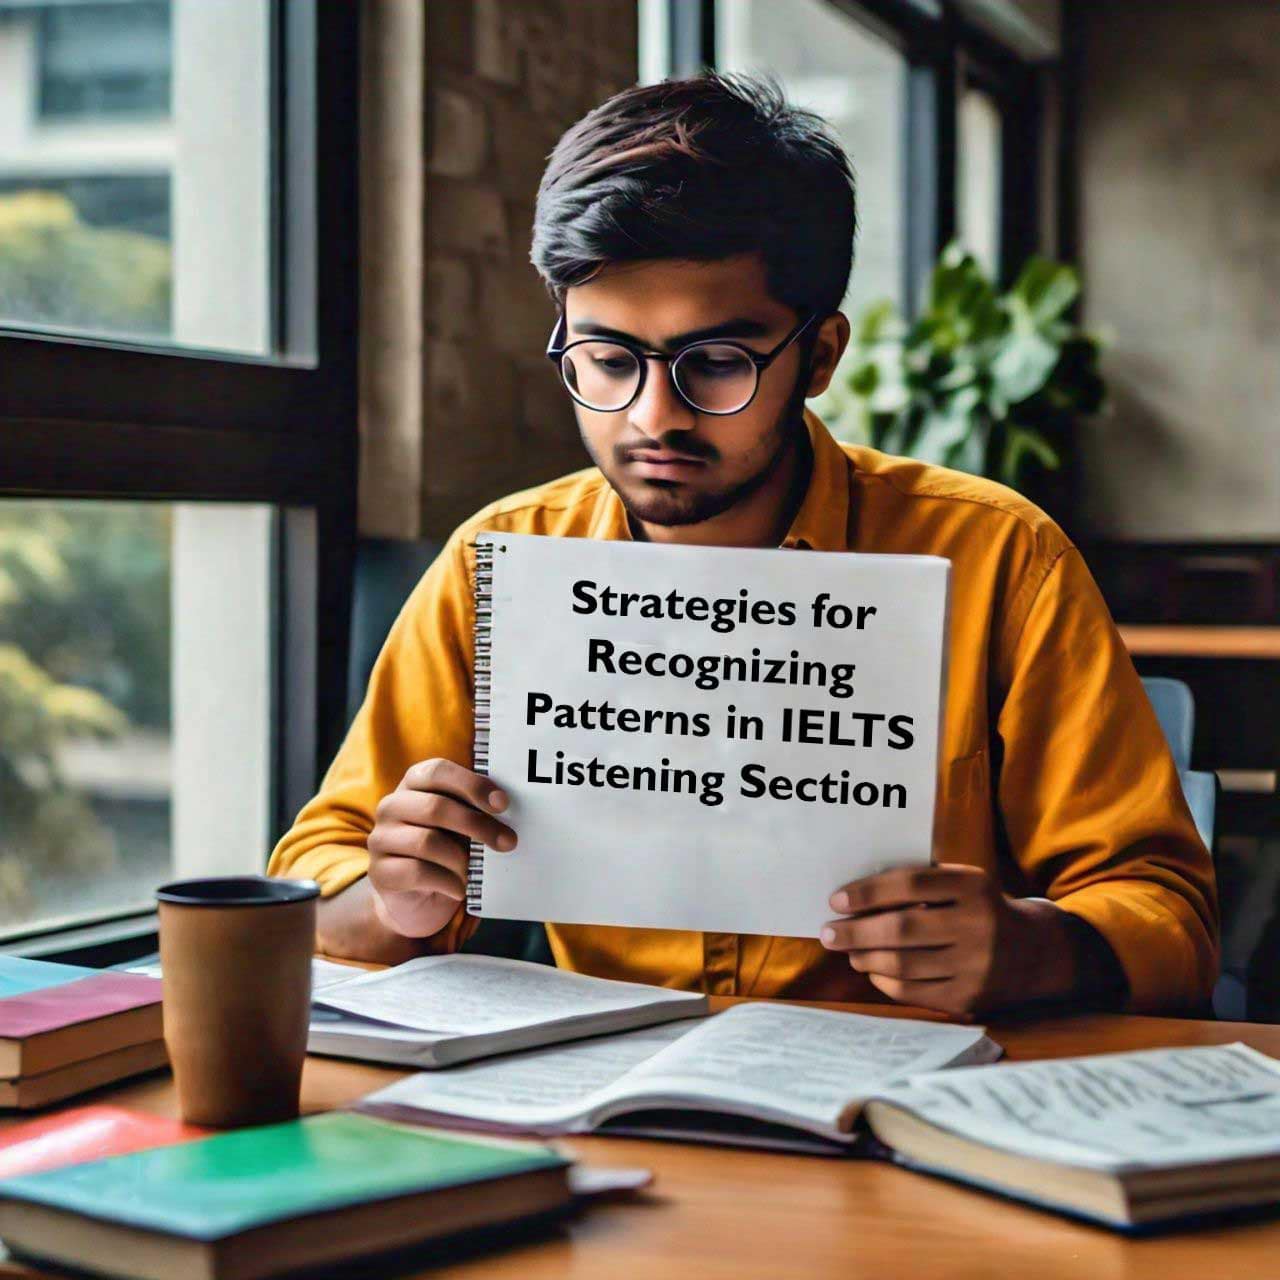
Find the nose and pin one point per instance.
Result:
(658, 410)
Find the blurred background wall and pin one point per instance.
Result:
(1178, 165)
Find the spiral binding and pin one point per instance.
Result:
(483, 674)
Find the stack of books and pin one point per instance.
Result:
(65, 1029)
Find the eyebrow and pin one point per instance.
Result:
(739, 327)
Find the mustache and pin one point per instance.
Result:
(686, 446)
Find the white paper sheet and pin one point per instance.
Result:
(656, 852)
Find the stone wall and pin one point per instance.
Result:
(464, 99)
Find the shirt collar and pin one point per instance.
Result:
(821, 523)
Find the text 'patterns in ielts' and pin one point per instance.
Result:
(842, 720)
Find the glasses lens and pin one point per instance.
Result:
(602, 375)
(718, 379)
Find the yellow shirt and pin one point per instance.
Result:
(1054, 773)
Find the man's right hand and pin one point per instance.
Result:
(419, 844)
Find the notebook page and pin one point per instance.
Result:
(536, 1087)
(473, 994)
(752, 730)
(808, 1062)
(1152, 1108)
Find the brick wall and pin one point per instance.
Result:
(467, 408)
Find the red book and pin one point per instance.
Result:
(86, 1133)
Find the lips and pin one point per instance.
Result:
(663, 458)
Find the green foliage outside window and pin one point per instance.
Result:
(982, 381)
(57, 270)
(84, 650)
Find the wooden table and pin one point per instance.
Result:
(723, 1214)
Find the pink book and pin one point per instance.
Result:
(34, 1012)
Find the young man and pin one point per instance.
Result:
(709, 212)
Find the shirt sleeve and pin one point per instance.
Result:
(418, 706)
(1091, 799)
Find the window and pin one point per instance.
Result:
(135, 684)
(857, 81)
(177, 410)
(941, 116)
(99, 60)
(980, 142)
(135, 202)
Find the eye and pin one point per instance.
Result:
(715, 363)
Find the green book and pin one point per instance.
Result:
(258, 1202)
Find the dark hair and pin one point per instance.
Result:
(701, 169)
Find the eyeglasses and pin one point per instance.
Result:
(712, 376)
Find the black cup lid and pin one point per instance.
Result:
(236, 891)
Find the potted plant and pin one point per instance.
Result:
(981, 381)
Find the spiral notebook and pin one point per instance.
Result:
(704, 738)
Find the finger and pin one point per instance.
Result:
(903, 886)
(938, 962)
(893, 930)
(401, 876)
(448, 778)
(943, 995)
(426, 844)
(431, 809)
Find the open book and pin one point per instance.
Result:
(1125, 1139)
(758, 1074)
(438, 1010)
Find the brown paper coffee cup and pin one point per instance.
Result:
(235, 960)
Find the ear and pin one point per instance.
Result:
(828, 347)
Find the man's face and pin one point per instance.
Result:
(670, 464)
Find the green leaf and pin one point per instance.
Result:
(1023, 366)
(1048, 288)
(1022, 443)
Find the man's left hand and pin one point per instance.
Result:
(945, 937)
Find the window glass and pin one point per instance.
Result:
(979, 130)
(134, 701)
(102, 60)
(832, 64)
(135, 193)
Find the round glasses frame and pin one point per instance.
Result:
(557, 353)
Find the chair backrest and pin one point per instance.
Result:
(1175, 709)
(387, 570)
(1176, 712)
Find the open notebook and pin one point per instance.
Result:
(705, 738)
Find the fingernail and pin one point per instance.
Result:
(505, 842)
(828, 936)
(497, 800)
(840, 901)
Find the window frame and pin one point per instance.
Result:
(943, 52)
(142, 421)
